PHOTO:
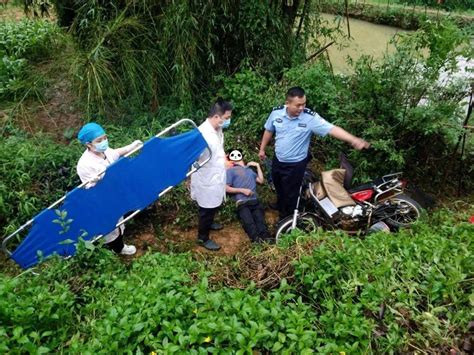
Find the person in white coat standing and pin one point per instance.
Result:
(208, 184)
(95, 159)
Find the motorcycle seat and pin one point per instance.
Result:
(366, 186)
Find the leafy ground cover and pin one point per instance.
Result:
(408, 292)
(384, 293)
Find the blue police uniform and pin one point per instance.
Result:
(293, 134)
(292, 139)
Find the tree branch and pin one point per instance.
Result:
(312, 56)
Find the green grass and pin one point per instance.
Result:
(385, 293)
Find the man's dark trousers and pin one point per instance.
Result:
(287, 178)
(252, 218)
(206, 218)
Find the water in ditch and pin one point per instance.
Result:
(366, 38)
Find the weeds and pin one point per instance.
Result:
(326, 293)
(405, 291)
(382, 294)
(22, 44)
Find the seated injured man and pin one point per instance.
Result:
(93, 161)
(241, 182)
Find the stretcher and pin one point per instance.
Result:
(124, 188)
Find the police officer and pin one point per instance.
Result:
(293, 125)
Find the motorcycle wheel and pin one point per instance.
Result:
(407, 212)
(306, 223)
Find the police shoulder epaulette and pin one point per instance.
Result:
(309, 111)
(278, 107)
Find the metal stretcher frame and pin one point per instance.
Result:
(195, 166)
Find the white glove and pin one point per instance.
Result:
(136, 144)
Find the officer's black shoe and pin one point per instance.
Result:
(216, 227)
(209, 244)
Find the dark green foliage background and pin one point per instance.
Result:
(378, 102)
(139, 66)
(150, 53)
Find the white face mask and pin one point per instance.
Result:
(102, 146)
(226, 123)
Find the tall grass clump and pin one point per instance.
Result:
(22, 45)
(146, 54)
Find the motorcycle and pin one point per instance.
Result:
(332, 203)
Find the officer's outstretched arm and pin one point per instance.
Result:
(343, 135)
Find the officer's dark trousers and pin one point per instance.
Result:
(287, 178)
(206, 218)
(252, 219)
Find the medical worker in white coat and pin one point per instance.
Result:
(208, 184)
(93, 161)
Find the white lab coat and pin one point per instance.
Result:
(209, 182)
(88, 167)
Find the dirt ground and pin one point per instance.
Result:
(10, 12)
(232, 239)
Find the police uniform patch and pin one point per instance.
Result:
(278, 107)
(279, 120)
(309, 111)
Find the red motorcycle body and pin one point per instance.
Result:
(364, 195)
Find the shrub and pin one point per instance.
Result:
(33, 173)
(35, 317)
(12, 73)
(391, 292)
(27, 39)
(410, 123)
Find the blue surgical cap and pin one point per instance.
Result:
(89, 132)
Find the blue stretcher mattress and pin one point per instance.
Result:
(129, 184)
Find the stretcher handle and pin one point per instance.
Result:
(196, 166)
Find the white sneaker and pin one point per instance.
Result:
(128, 250)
